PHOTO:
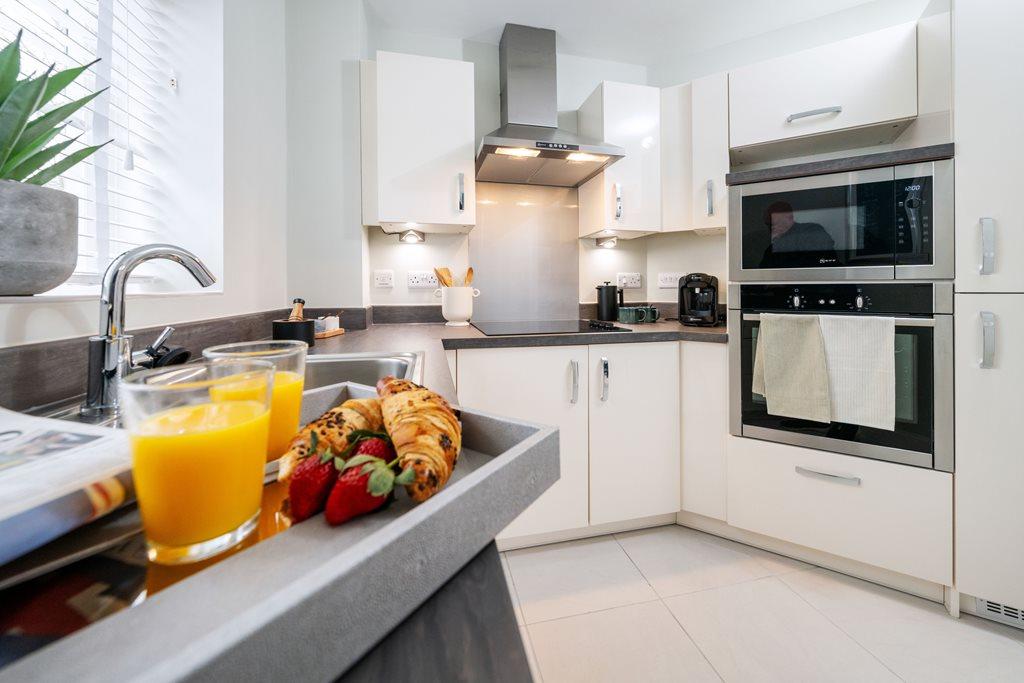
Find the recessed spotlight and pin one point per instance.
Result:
(583, 156)
(517, 152)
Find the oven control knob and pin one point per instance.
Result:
(796, 301)
(859, 302)
(821, 302)
(832, 302)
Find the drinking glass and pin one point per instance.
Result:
(199, 438)
(289, 360)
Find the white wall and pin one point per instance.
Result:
(387, 253)
(684, 252)
(254, 159)
(598, 264)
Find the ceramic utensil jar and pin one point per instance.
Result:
(457, 304)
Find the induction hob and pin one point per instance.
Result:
(515, 327)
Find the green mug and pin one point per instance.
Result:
(652, 314)
(631, 315)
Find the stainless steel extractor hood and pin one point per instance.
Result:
(529, 147)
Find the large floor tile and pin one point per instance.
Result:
(512, 590)
(763, 631)
(562, 580)
(773, 563)
(676, 560)
(528, 646)
(914, 637)
(633, 643)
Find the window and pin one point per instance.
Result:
(128, 192)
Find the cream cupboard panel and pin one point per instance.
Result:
(988, 100)
(676, 159)
(989, 462)
(705, 415)
(547, 385)
(418, 143)
(863, 81)
(709, 195)
(634, 430)
(892, 516)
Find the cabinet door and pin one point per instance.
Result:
(536, 384)
(676, 158)
(987, 54)
(634, 431)
(425, 140)
(861, 81)
(710, 198)
(705, 410)
(989, 466)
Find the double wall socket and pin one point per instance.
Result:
(421, 279)
(668, 280)
(383, 278)
(628, 280)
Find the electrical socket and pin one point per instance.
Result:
(383, 278)
(668, 280)
(421, 279)
(628, 280)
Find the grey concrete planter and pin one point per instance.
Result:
(38, 238)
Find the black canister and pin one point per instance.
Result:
(609, 298)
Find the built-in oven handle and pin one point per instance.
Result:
(575, 365)
(988, 246)
(835, 109)
(902, 322)
(837, 478)
(988, 340)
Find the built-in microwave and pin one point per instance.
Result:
(888, 223)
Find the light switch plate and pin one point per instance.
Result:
(383, 278)
(668, 280)
(628, 280)
(421, 279)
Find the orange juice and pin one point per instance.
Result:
(198, 470)
(285, 405)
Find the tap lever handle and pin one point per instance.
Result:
(162, 338)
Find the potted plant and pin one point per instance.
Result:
(38, 225)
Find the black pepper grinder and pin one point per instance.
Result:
(609, 298)
(295, 326)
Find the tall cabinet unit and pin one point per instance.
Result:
(625, 198)
(710, 150)
(989, 306)
(417, 116)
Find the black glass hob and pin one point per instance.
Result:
(495, 328)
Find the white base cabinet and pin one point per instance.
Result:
(989, 459)
(705, 411)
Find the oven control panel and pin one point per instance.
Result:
(877, 298)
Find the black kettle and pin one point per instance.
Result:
(609, 298)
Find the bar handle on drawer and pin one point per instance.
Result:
(575, 366)
(837, 478)
(604, 379)
(835, 109)
(988, 246)
(988, 340)
(710, 187)
(618, 200)
(462, 192)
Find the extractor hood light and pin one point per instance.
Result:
(517, 152)
(583, 156)
(608, 242)
(411, 237)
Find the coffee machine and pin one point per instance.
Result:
(698, 300)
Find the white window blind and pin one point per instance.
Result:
(119, 187)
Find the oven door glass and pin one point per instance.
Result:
(914, 402)
(838, 226)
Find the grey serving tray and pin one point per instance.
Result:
(306, 604)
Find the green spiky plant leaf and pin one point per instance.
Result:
(25, 130)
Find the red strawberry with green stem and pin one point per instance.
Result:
(366, 480)
(311, 482)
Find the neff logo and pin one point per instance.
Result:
(826, 260)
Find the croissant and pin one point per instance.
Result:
(425, 432)
(332, 430)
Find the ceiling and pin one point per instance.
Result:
(633, 32)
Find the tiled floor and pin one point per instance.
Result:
(673, 604)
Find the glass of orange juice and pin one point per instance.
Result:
(198, 457)
(289, 360)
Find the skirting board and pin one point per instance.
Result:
(585, 532)
(901, 582)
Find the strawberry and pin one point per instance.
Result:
(365, 484)
(377, 447)
(311, 483)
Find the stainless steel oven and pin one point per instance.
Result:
(923, 434)
(887, 223)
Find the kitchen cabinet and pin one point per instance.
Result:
(710, 152)
(705, 417)
(677, 158)
(987, 54)
(989, 466)
(634, 430)
(892, 516)
(537, 384)
(626, 197)
(418, 133)
(865, 85)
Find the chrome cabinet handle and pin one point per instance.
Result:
(604, 379)
(711, 196)
(837, 478)
(835, 109)
(462, 192)
(575, 365)
(618, 201)
(988, 340)
(988, 246)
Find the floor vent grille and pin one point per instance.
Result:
(1000, 612)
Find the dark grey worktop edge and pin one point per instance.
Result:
(843, 165)
(714, 337)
